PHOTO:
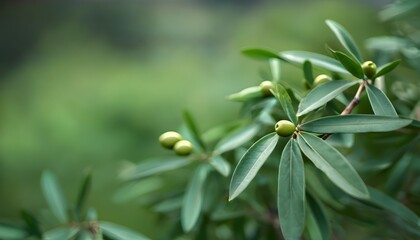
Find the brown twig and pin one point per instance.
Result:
(354, 102)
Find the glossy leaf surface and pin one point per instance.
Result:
(315, 58)
(286, 102)
(380, 102)
(345, 39)
(350, 64)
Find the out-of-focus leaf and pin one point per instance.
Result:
(32, 224)
(193, 199)
(115, 231)
(355, 123)
(63, 233)
(345, 140)
(168, 205)
(54, 196)
(152, 167)
(91, 214)
(133, 190)
(275, 69)
(345, 39)
(83, 194)
(246, 94)
(316, 220)
(315, 58)
(260, 54)
(237, 138)
(350, 64)
(323, 94)
(220, 164)
(399, 173)
(398, 9)
(193, 130)
(384, 201)
(382, 70)
(250, 163)
(291, 191)
(308, 73)
(11, 232)
(286, 103)
(333, 164)
(379, 102)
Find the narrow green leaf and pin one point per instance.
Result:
(323, 94)
(316, 221)
(379, 102)
(12, 232)
(350, 64)
(345, 140)
(260, 54)
(237, 138)
(54, 196)
(220, 164)
(168, 205)
(91, 214)
(250, 163)
(291, 191)
(382, 70)
(193, 199)
(246, 94)
(152, 167)
(63, 233)
(32, 223)
(193, 130)
(315, 58)
(355, 123)
(286, 103)
(333, 164)
(345, 39)
(275, 69)
(83, 194)
(399, 173)
(384, 201)
(307, 72)
(118, 232)
(135, 189)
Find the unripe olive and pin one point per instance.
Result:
(320, 79)
(266, 86)
(369, 68)
(284, 128)
(183, 148)
(168, 139)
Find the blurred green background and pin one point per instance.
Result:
(91, 84)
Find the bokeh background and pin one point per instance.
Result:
(91, 84)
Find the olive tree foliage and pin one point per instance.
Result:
(298, 164)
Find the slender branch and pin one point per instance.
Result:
(354, 102)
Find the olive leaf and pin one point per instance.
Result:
(307, 72)
(115, 231)
(84, 191)
(193, 130)
(193, 199)
(323, 94)
(246, 94)
(316, 220)
(62, 233)
(333, 164)
(12, 232)
(291, 191)
(355, 123)
(315, 58)
(32, 224)
(384, 69)
(250, 163)
(349, 63)
(220, 164)
(54, 196)
(286, 103)
(260, 54)
(379, 102)
(345, 39)
(237, 138)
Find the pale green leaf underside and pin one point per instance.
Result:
(152, 167)
(54, 196)
(345, 39)
(9, 232)
(323, 94)
(60, 233)
(220, 164)
(119, 232)
(315, 58)
(250, 163)
(291, 191)
(333, 164)
(237, 138)
(286, 102)
(193, 199)
(355, 123)
(246, 94)
(379, 102)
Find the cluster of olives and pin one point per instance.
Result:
(173, 140)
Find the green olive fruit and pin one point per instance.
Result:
(369, 68)
(284, 128)
(266, 86)
(183, 148)
(168, 139)
(320, 79)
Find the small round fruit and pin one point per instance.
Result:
(168, 139)
(266, 86)
(320, 79)
(284, 128)
(183, 148)
(369, 68)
